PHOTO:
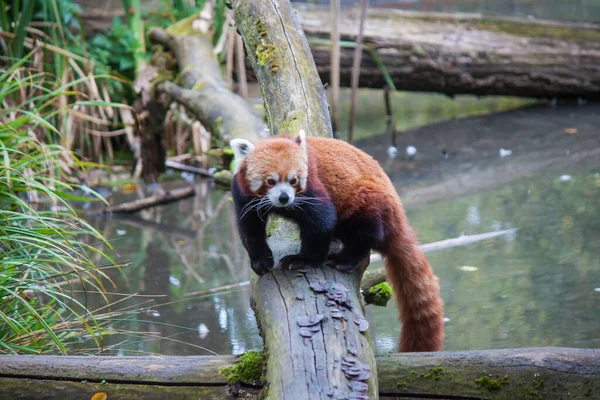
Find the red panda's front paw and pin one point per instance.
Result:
(262, 265)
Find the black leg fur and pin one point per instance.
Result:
(316, 223)
(252, 229)
(358, 235)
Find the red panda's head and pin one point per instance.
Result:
(276, 168)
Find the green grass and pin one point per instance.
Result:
(45, 248)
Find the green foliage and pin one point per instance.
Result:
(218, 20)
(171, 11)
(247, 369)
(42, 246)
(114, 49)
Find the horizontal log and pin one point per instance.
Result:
(464, 53)
(456, 53)
(535, 373)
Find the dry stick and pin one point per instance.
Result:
(188, 168)
(356, 68)
(377, 276)
(335, 12)
(166, 197)
(241, 67)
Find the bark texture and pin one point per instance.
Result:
(283, 64)
(465, 53)
(201, 88)
(533, 373)
(311, 320)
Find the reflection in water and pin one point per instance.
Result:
(534, 288)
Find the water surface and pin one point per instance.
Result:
(537, 287)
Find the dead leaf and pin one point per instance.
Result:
(100, 396)
(129, 187)
(570, 131)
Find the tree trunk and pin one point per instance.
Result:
(311, 321)
(534, 373)
(465, 53)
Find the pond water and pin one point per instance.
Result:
(537, 287)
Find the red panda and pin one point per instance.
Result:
(333, 190)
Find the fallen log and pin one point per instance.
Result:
(453, 53)
(532, 373)
(166, 197)
(464, 53)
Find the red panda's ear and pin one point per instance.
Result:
(301, 140)
(241, 148)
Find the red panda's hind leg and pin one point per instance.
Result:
(358, 234)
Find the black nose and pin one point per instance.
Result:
(284, 198)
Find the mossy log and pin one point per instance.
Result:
(312, 321)
(464, 53)
(452, 53)
(201, 88)
(533, 373)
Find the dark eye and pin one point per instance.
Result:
(293, 181)
(271, 182)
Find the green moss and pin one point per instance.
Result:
(248, 369)
(199, 85)
(538, 384)
(403, 385)
(524, 29)
(491, 384)
(265, 50)
(435, 373)
(184, 27)
(378, 295)
(539, 31)
(292, 124)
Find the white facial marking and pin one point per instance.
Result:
(255, 184)
(276, 191)
(241, 148)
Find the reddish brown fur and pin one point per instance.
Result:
(358, 186)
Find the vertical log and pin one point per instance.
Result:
(311, 320)
(284, 67)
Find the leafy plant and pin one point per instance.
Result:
(45, 247)
(115, 48)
